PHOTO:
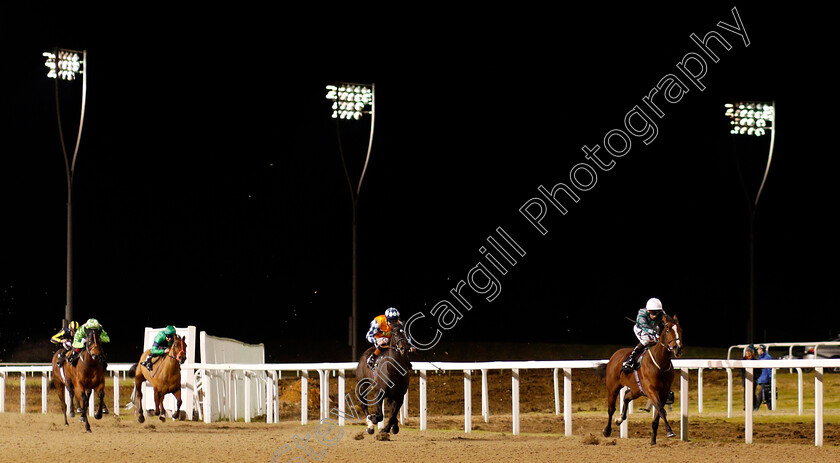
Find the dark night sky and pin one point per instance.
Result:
(209, 189)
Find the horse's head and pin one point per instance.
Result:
(93, 344)
(399, 340)
(179, 347)
(671, 336)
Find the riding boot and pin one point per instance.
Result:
(371, 361)
(74, 357)
(60, 360)
(148, 363)
(630, 364)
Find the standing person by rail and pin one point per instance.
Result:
(763, 381)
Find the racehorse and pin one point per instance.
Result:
(81, 380)
(165, 378)
(654, 379)
(58, 382)
(389, 380)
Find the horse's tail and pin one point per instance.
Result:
(132, 371)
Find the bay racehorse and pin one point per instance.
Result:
(654, 379)
(83, 379)
(389, 379)
(59, 383)
(165, 378)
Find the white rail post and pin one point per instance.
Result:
(801, 394)
(23, 392)
(2, 392)
(485, 397)
(624, 427)
(116, 376)
(699, 390)
(772, 400)
(684, 404)
(567, 400)
(404, 409)
(818, 406)
(468, 401)
(92, 404)
(324, 391)
(749, 388)
(44, 388)
(304, 397)
(729, 392)
(556, 375)
(341, 400)
(515, 400)
(247, 411)
(422, 400)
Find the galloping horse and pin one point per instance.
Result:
(81, 380)
(165, 378)
(389, 379)
(654, 379)
(58, 382)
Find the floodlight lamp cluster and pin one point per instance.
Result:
(64, 65)
(349, 100)
(750, 118)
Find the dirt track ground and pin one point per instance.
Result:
(38, 437)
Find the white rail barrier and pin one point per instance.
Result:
(274, 372)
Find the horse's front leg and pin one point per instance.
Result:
(100, 393)
(664, 414)
(159, 410)
(393, 421)
(659, 411)
(84, 402)
(177, 414)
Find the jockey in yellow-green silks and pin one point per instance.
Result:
(64, 338)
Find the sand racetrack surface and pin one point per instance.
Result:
(40, 437)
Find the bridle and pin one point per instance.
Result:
(674, 344)
(399, 340)
(92, 340)
(180, 355)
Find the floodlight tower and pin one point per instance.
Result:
(752, 119)
(67, 65)
(351, 102)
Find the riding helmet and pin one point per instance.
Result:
(392, 314)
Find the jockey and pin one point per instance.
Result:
(648, 325)
(79, 340)
(64, 338)
(80, 337)
(380, 332)
(160, 345)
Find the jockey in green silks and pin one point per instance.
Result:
(160, 345)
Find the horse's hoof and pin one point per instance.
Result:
(141, 418)
(606, 432)
(396, 429)
(671, 434)
(98, 416)
(162, 418)
(72, 414)
(370, 431)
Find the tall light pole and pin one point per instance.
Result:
(752, 119)
(350, 103)
(68, 65)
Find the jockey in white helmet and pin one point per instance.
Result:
(648, 325)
